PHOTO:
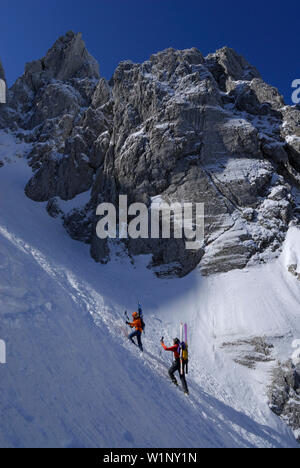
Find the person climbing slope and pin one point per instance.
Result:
(176, 364)
(137, 324)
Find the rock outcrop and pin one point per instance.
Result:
(2, 86)
(179, 127)
(2, 74)
(52, 102)
(284, 395)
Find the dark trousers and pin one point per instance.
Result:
(138, 335)
(174, 368)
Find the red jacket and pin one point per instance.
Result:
(173, 348)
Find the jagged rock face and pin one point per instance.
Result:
(188, 141)
(180, 127)
(2, 74)
(227, 67)
(284, 395)
(2, 86)
(52, 102)
(68, 59)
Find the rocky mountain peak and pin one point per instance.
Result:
(180, 127)
(3, 93)
(170, 59)
(68, 58)
(2, 74)
(226, 64)
(65, 78)
(67, 61)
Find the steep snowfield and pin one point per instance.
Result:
(73, 380)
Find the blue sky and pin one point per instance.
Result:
(265, 32)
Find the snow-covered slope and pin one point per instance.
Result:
(71, 377)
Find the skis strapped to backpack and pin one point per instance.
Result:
(183, 349)
(181, 353)
(185, 352)
(141, 317)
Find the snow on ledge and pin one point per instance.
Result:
(291, 249)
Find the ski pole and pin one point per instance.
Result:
(161, 340)
(126, 316)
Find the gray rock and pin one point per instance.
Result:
(226, 65)
(274, 150)
(3, 85)
(78, 225)
(2, 74)
(290, 131)
(53, 208)
(67, 59)
(178, 126)
(102, 94)
(100, 250)
(64, 176)
(291, 121)
(256, 97)
(54, 100)
(293, 269)
(267, 94)
(284, 394)
(249, 352)
(4, 118)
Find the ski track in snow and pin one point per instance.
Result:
(223, 409)
(88, 299)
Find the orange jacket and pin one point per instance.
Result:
(137, 324)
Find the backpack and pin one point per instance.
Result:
(185, 355)
(140, 312)
(185, 351)
(142, 322)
